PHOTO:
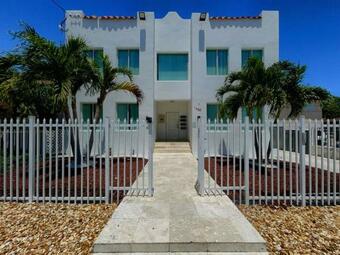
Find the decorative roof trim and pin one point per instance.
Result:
(224, 18)
(110, 17)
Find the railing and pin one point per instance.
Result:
(293, 162)
(78, 162)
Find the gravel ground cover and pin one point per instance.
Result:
(283, 180)
(297, 230)
(51, 228)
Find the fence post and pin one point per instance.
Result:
(31, 157)
(200, 157)
(302, 147)
(150, 156)
(246, 160)
(107, 160)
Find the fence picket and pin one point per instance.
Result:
(291, 179)
(61, 167)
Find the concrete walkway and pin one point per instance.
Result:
(176, 219)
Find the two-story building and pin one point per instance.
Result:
(178, 63)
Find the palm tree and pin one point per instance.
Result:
(66, 67)
(256, 86)
(8, 77)
(107, 82)
(289, 90)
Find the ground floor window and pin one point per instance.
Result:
(212, 113)
(88, 111)
(127, 112)
(257, 113)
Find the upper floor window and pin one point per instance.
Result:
(217, 62)
(246, 54)
(172, 67)
(129, 59)
(96, 55)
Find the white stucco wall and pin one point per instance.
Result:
(173, 34)
(233, 35)
(111, 36)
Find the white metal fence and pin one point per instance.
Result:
(287, 162)
(68, 161)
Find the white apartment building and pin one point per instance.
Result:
(178, 63)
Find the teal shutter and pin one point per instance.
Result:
(123, 58)
(211, 62)
(244, 114)
(134, 61)
(212, 112)
(172, 67)
(222, 62)
(134, 112)
(86, 112)
(98, 58)
(122, 112)
(258, 54)
(257, 113)
(246, 54)
(89, 53)
(245, 57)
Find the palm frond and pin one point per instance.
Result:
(123, 71)
(129, 87)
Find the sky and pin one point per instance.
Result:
(309, 29)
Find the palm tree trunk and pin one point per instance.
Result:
(99, 106)
(75, 133)
(257, 149)
(269, 149)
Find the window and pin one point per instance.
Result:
(129, 59)
(217, 62)
(212, 112)
(172, 67)
(311, 107)
(97, 56)
(88, 112)
(256, 113)
(246, 54)
(128, 112)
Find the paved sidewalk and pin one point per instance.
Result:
(176, 219)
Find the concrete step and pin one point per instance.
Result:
(172, 147)
(186, 253)
(172, 151)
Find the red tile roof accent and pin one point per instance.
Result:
(223, 18)
(110, 17)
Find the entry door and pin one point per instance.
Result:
(172, 126)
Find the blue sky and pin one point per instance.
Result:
(309, 29)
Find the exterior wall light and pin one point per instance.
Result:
(142, 15)
(203, 16)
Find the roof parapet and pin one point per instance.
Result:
(225, 18)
